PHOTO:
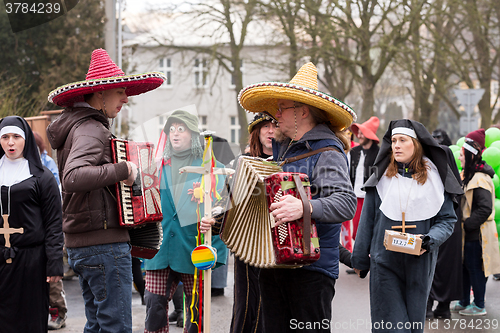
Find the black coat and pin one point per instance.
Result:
(355, 153)
(447, 283)
(35, 205)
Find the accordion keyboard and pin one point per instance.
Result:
(125, 191)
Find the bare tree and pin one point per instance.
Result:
(479, 47)
(378, 29)
(425, 57)
(226, 22)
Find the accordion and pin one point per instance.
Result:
(139, 205)
(248, 227)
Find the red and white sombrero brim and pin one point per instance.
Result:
(135, 85)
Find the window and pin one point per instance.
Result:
(166, 68)
(233, 79)
(235, 130)
(203, 123)
(201, 73)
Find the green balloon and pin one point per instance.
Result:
(492, 135)
(492, 157)
(495, 144)
(497, 210)
(455, 148)
(456, 154)
(496, 183)
(460, 142)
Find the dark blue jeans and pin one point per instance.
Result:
(296, 300)
(473, 274)
(105, 273)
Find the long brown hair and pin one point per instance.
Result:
(256, 149)
(417, 164)
(321, 117)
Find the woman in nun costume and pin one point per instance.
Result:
(31, 238)
(411, 176)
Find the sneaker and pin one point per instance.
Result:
(457, 307)
(473, 310)
(56, 322)
(496, 277)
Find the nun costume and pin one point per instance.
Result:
(31, 238)
(399, 282)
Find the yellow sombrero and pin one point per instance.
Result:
(303, 88)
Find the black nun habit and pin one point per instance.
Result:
(400, 283)
(31, 199)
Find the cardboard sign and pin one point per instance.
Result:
(402, 242)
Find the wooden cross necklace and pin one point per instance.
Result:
(403, 226)
(7, 230)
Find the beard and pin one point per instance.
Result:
(279, 136)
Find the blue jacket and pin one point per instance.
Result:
(333, 199)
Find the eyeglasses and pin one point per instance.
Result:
(281, 109)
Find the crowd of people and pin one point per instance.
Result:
(360, 198)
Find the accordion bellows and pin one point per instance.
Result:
(139, 205)
(247, 227)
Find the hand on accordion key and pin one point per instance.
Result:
(288, 209)
(132, 174)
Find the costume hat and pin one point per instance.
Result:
(30, 151)
(185, 117)
(303, 88)
(431, 148)
(104, 74)
(368, 128)
(478, 136)
(259, 117)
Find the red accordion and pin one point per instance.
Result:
(294, 242)
(139, 205)
(248, 228)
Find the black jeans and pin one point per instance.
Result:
(296, 300)
(473, 274)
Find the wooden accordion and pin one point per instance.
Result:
(248, 227)
(139, 205)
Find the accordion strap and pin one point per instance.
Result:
(307, 214)
(306, 155)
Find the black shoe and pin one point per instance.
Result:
(350, 271)
(440, 314)
(217, 292)
(442, 310)
(180, 320)
(428, 313)
(174, 316)
(496, 277)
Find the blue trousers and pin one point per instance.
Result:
(473, 274)
(105, 273)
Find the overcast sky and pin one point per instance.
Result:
(144, 5)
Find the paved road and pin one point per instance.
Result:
(351, 310)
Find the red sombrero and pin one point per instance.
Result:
(104, 74)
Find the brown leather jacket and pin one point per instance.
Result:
(90, 215)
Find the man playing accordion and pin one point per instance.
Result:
(308, 120)
(98, 247)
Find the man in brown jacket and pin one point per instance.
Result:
(98, 248)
